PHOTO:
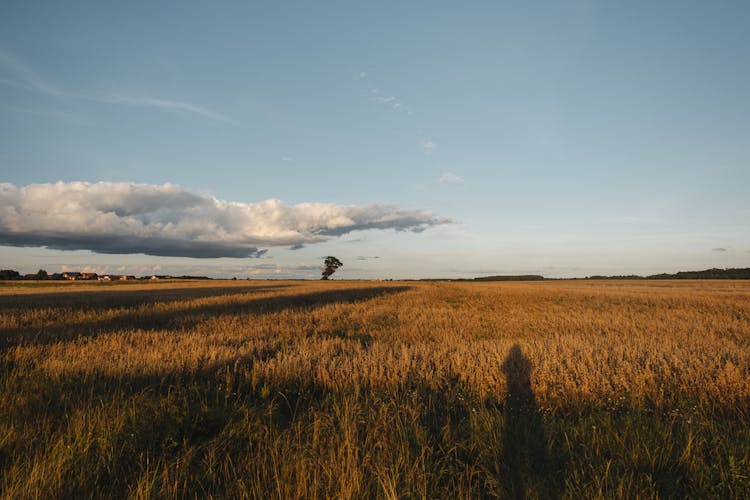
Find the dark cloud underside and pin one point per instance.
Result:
(167, 220)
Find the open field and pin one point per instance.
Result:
(376, 389)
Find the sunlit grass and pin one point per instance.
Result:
(358, 389)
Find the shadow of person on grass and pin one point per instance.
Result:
(527, 468)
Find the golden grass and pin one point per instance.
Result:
(383, 352)
(589, 342)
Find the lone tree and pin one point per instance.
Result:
(330, 265)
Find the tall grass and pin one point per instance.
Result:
(355, 389)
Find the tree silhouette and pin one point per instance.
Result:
(329, 266)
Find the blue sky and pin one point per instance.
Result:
(559, 138)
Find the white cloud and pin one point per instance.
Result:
(168, 220)
(163, 104)
(449, 178)
(429, 145)
(391, 101)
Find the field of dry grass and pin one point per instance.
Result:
(375, 389)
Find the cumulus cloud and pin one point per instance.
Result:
(719, 249)
(168, 220)
(429, 145)
(449, 178)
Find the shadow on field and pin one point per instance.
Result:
(189, 317)
(115, 296)
(528, 469)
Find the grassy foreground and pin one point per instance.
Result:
(386, 390)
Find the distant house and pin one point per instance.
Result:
(89, 276)
(114, 277)
(72, 275)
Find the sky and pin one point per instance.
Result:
(408, 139)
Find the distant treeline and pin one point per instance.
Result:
(708, 274)
(522, 277)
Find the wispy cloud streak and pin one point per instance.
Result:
(18, 75)
(162, 104)
(390, 101)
